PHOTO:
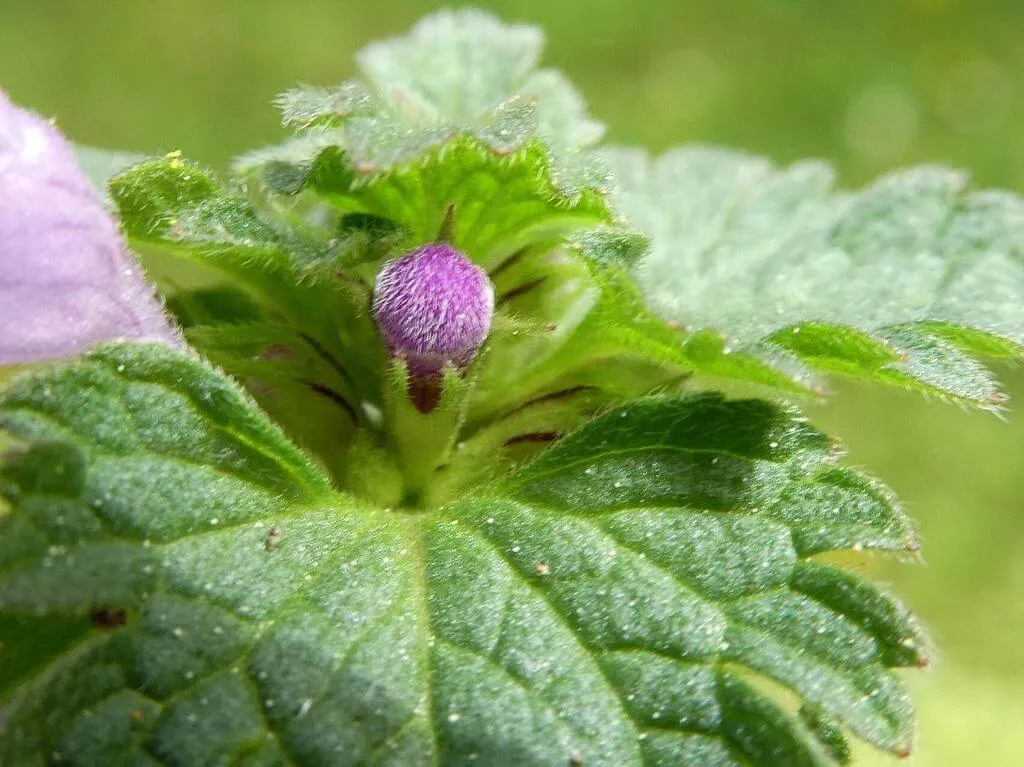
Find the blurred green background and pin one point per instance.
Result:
(869, 85)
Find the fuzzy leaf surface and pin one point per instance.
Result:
(456, 66)
(211, 599)
(455, 115)
(908, 281)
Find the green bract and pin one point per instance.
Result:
(262, 552)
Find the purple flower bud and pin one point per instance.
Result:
(433, 307)
(66, 279)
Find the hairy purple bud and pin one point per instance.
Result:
(66, 279)
(433, 306)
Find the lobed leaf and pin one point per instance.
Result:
(904, 282)
(286, 299)
(453, 116)
(616, 601)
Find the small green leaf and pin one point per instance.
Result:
(610, 245)
(504, 196)
(508, 147)
(599, 345)
(904, 282)
(423, 74)
(184, 208)
(295, 277)
(212, 599)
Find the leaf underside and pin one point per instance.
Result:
(906, 282)
(617, 601)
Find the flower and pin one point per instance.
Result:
(67, 281)
(433, 307)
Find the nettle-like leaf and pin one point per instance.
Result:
(455, 115)
(908, 281)
(454, 67)
(203, 596)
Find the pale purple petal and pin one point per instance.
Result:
(67, 281)
(433, 307)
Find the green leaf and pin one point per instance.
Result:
(183, 207)
(424, 74)
(604, 347)
(610, 246)
(506, 148)
(215, 305)
(504, 199)
(615, 602)
(904, 282)
(275, 273)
